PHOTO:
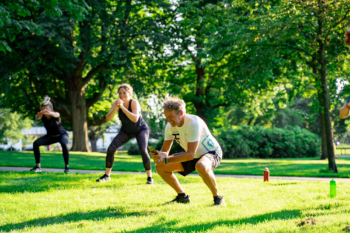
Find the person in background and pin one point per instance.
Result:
(129, 113)
(55, 133)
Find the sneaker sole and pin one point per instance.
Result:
(102, 181)
(221, 204)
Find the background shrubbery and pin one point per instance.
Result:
(259, 142)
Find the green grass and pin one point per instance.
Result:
(50, 202)
(96, 161)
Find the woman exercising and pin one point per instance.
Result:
(55, 133)
(345, 110)
(129, 112)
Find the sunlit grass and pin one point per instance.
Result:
(50, 202)
(123, 162)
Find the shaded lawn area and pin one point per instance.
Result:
(96, 161)
(57, 202)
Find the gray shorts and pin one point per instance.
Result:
(190, 166)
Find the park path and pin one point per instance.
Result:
(295, 178)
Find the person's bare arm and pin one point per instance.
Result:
(135, 111)
(54, 114)
(344, 111)
(176, 158)
(185, 156)
(114, 109)
(39, 115)
(48, 113)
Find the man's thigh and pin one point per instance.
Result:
(205, 161)
(171, 167)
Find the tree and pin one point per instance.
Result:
(312, 30)
(11, 125)
(208, 56)
(77, 62)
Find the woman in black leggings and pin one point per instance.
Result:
(55, 133)
(129, 112)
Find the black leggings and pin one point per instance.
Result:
(121, 139)
(47, 140)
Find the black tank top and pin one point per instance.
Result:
(128, 126)
(53, 126)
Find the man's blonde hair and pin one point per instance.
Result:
(174, 103)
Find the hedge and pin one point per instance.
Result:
(259, 142)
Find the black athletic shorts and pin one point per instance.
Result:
(190, 166)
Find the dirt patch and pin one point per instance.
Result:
(81, 224)
(307, 222)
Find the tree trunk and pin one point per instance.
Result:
(325, 97)
(93, 145)
(198, 103)
(94, 134)
(78, 110)
(323, 129)
(322, 119)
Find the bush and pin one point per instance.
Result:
(259, 142)
(132, 148)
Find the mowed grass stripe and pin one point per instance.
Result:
(307, 167)
(50, 202)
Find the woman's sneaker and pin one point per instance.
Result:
(149, 180)
(36, 169)
(103, 178)
(66, 170)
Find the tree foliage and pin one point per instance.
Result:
(17, 16)
(76, 63)
(11, 125)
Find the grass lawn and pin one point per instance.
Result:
(96, 161)
(49, 202)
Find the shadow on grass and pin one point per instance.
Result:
(121, 212)
(34, 183)
(96, 215)
(254, 220)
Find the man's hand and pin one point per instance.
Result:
(158, 157)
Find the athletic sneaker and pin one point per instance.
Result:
(149, 180)
(36, 169)
(66, 170)
(182, 199)
(103, 178)
(219, 201)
